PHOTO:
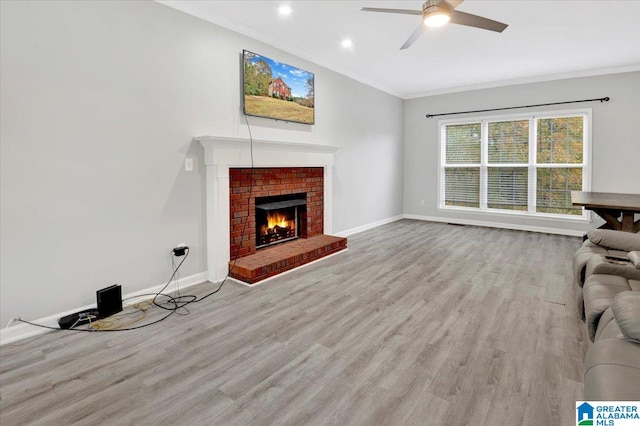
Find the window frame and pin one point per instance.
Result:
(532, 165)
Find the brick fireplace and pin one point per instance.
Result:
(283, 168)
(287, 183)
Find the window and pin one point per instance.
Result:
(515, 164)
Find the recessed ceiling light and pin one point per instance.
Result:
(347, 43)
(284, 9)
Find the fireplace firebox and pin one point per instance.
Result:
(279, 218)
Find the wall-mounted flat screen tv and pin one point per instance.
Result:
(276, 90)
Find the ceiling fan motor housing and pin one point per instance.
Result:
(435, 6)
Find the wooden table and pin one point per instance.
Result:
(610, 206)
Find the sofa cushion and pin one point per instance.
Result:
(634, 257)
(626, 310)
(599, 294)
(608, 328)
(617, 240)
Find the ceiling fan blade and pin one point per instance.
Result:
(462, 18)
(453, 3)
(403, 11)
(414, 36)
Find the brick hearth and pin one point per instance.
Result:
(283, 257)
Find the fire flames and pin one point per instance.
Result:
(277, 219)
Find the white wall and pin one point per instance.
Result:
(615, 144)
(99, 104)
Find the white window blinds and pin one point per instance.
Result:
(524, 164)
(462, 175)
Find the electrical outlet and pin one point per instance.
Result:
(188, 164)
(348, 212)
(422, 202)
(180, 249)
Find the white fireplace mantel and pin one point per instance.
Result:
(222, 153)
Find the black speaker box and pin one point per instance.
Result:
(109, 300)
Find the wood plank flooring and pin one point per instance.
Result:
(419, 323)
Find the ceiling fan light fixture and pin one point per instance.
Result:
(436, 18)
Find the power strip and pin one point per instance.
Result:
(78, 318)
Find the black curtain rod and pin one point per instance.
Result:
(516, 107)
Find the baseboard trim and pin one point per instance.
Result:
(368, 226)
(21, 331)
(515, 227)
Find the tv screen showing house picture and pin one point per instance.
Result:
(276, 90)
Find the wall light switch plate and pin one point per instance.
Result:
(188, 164)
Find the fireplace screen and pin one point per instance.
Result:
(277, 219)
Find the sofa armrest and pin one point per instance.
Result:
(581, 258)
(599, 264)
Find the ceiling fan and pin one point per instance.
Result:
(436, 13)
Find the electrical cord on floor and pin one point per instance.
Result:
(115, 321)
(90, 330)
(96, 326)
(174, 303)
(178, 301)
(175, 271)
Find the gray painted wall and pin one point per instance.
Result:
(615, 139)
(99, 103)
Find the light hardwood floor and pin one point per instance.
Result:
(418, 323)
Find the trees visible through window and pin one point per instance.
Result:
(524, 164)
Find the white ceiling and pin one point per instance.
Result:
(546, 39)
